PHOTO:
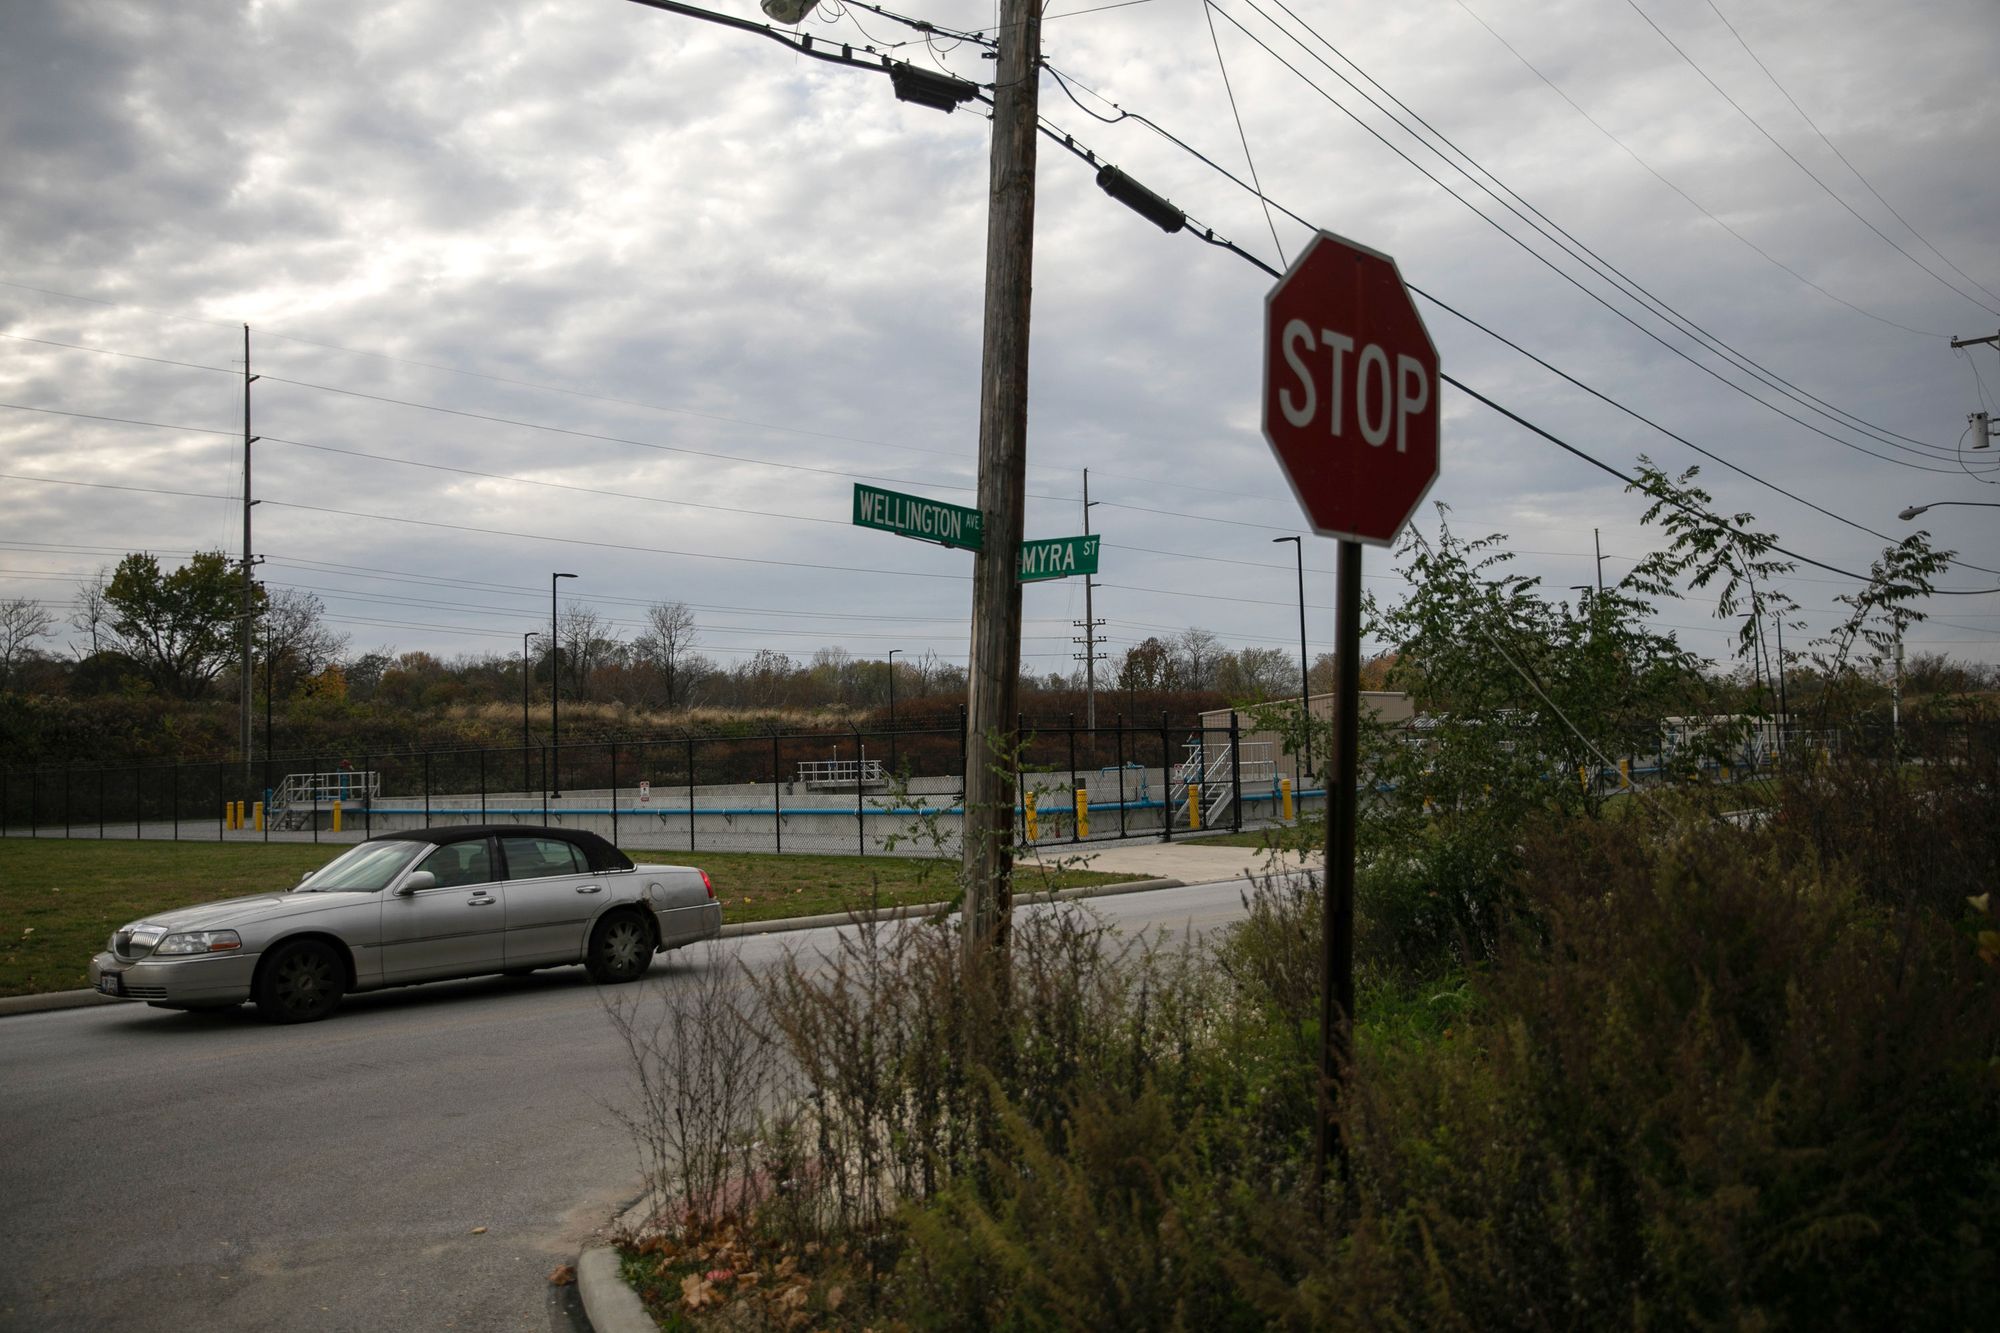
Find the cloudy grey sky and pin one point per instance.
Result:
(581, 285)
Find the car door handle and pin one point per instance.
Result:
(588, 888)
(481, 902)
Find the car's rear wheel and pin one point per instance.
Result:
(301, 982)
(621, 949)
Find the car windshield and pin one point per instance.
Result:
(367, 868)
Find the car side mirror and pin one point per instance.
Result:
(305, 875)
(419, 879)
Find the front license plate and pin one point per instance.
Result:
(109, 983)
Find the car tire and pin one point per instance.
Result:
(621, 949)
(301, 982)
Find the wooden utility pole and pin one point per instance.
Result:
(995, 670)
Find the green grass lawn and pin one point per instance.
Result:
(60, 899)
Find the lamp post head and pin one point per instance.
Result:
(562, 576)
(1912, 512)
(788, 11)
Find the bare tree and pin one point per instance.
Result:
(667, 644)
(22, 621)
(295, 639)
(91, 613)
(586, 640)
(1199, 652)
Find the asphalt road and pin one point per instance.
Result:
(420, 1161)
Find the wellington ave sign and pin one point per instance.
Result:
(914, 516)
(955, 525)
(1350, 391)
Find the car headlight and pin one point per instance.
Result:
(199, 941)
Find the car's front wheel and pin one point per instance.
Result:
(621, 949)
(300, 983)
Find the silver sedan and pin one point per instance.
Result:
(425, 905)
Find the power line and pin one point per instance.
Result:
(1691, 201)
(1534, 253)
(1814, 176)
(1596, 262)
(1870, 185)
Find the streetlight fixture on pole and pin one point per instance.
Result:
(1305, 677)
(555, 691)
(1914, 510)
(531, 634)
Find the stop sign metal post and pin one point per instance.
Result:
(1351, 411)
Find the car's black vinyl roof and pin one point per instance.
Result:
(603, 855)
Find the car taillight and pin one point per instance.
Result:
(706, 885)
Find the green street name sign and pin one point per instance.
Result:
(914, 516)
(1056, 558)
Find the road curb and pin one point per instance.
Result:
(49, 1001)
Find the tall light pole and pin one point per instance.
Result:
(531, 634)
(892, 708)
(1305, 677)
(555, 691)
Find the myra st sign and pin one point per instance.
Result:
(1350, 391)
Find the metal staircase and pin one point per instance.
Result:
(301, 796)
(1221, 770)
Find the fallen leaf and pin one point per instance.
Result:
(834, 1296)
(479, 1231)
(562, 1275)
(697, 1291)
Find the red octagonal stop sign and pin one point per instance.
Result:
(1350, 391)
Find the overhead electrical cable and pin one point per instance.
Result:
(1544, 260)
(1835, 150)
(1692, 202)
(1624, 281)
(1831, 193)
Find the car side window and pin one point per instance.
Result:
(457, 864)
(538, 858)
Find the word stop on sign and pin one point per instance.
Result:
(1382, 390)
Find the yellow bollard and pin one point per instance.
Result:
(1583, 776)
(1285, 790)
(236, 814)
(260, 816)
(1082, 813)
(1725, 772)
(229, 814)
(1194, 805)
(1625, 774)
(336, 816)
(1028, 816)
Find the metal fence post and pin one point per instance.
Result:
(1075, 833)
(545, 778)
(427, 788)
(368, 785)
(690, 759)
(174, 799)
(314, 783)
(1121, 774)
(1235, 774)
(777, 801)
(614, 793)
(482, 790)
(1166, 780)
(860, 821)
